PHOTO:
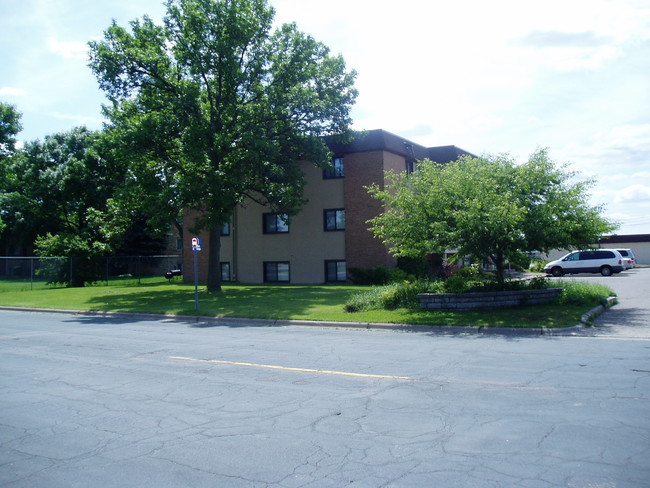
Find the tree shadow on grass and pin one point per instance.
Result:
(253, 302)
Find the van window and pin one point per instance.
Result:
(604, 255)
(572, 257)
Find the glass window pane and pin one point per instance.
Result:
(336, 171)
(225, 271)
(338, 167)
(270, 271)
(340, 219)
(330, 220)
(340, 271)
(276, 223)
(330, 270)
(281, 223)
(283, 271)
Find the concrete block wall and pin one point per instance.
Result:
(485, 300)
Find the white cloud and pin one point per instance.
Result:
(68, 49)
(12, 91)
(633, 193)
(622, 149)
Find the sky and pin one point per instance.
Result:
(492, 77)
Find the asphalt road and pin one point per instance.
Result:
(107, 402)
(631, 316)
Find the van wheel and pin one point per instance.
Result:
(557, 272)
(606, 271)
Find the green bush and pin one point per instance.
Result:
(420, 268)
(537, 265)
(519, 261)
(365, 300)
(404, 294)
(469, 278)
(379, 275)
(368, 276)
(390, 297)
(581, 293)
(82, 265)
(458, 284)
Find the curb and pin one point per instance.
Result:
(588, 317)
(210, 321)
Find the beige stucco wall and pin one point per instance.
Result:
(306, 246)
(641, 251)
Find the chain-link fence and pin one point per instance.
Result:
(40, 271)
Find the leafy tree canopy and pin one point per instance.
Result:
(10, 126)
(219, 107)
(487, 207)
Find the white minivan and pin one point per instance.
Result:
(603, 261)
(629, 261)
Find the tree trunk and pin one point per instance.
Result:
(499, 262)
(214, 258)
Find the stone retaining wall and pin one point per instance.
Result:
(485, 300)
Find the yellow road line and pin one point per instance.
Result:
(285, 368)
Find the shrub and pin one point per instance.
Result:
(390, 297)
(466, 279)
(417, 267)
(581, 293)
(379, 275)
(82, 266)
(368, 276)
(519, 261)
(362, 301)
(404, 294)
(537, 265)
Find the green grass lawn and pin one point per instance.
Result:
(298, 302)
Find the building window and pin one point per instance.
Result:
(335, 271)
(334, 219)
(225, 229)
(179, 244)
(276, 272)
(411, 167)
(336, 171)
(225, 271)
(276, 223)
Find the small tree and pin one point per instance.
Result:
(220, 108)
(487, 207)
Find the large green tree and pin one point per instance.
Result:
(220, 106)
(489, 207)
(63, 197)
(55, 194)
(10, 126)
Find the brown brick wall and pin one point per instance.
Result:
(362, 249)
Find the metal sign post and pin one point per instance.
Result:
(196, 247)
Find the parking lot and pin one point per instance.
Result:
(91, 401)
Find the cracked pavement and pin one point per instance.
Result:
(118, 402)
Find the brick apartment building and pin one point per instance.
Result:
(330, 233)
